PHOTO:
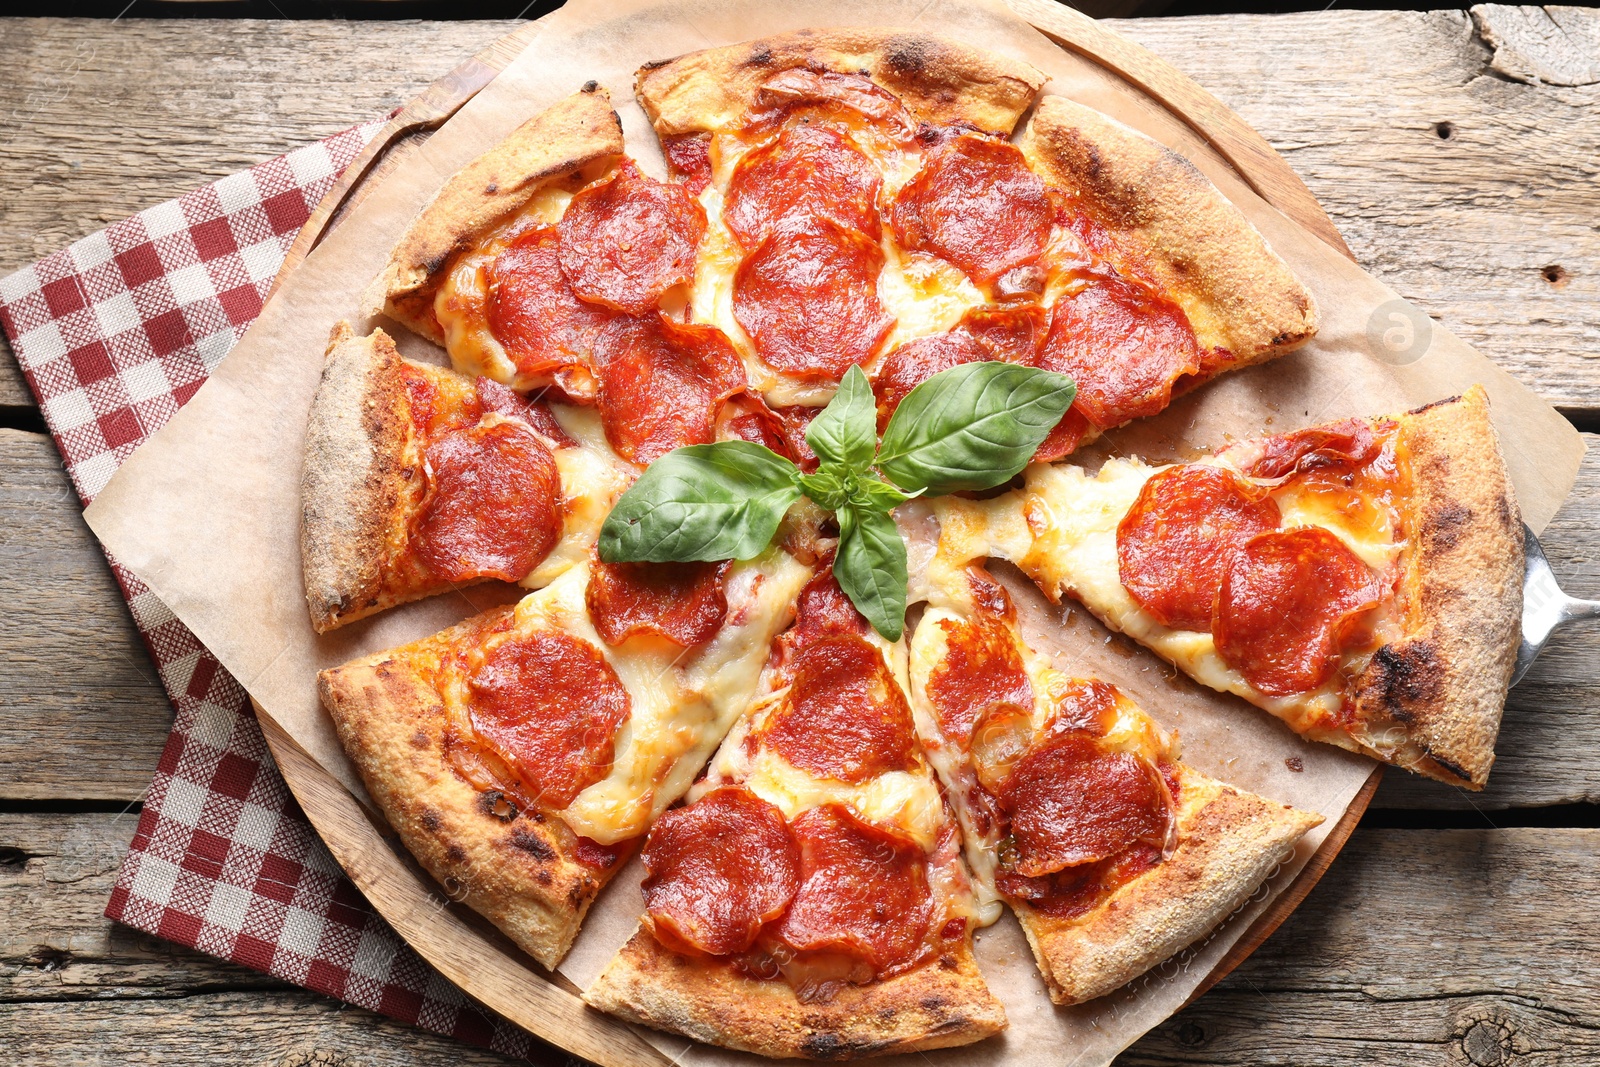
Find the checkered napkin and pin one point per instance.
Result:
(114, 334)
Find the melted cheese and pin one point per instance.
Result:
(682, 702)
(592, 477)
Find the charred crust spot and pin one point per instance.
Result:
(822, 1045)
(908, 57)
(1443, 525)
(542, 876)
(531, 844)
(435, 263)
(759, 57)
(1449, 766)
(948, 963)
(496, 805)
(1435, 404)
(590, 86)
(1405, 674)
(455, 854)
(419, 738)
(430, 820)
(655, 64)
(574, 895)
(491, 188)
(934, 1005)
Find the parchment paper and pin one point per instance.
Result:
(207, 512)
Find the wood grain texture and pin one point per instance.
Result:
(1360, 974)
(82, 713)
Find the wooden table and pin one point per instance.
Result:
(1460, 157)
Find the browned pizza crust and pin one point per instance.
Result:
(1229, 842)
(353, 486)
(940, 81)
(1238, 294)
(936, 1006)
(574, 141)
(1443, 686)
(512, 868)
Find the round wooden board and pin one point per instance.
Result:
(468, 951)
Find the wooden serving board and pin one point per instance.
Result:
(462, 946)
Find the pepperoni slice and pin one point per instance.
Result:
(845, 716)
(1010, 334)
(661, 383)
(625, 242)
(1343, 446)
(1287, 601)
(549, 705)
(863, 891)
(534, 313)
(1072, 803)
(1174, 544)
(1084, 705)
(718, 870)
(980, 678)
(1124, 345)
(807, 295)
(822, 610)
(689, 160)
(1071, 892)
(831, 92)
(494, 510)
(808, 170)
(1064, 439)
(492, 396)
(976, 204)
(684, 603)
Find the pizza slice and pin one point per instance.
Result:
(793, 145)
(1360, 580)
(1075, 806)
(418, 480)
(809, 900)
(522, 753)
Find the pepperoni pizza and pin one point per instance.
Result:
(824, 817)
(1074, 804)
(809, 899)
(1360, 580)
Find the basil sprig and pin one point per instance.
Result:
(968, 428)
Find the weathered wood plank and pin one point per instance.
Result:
(1470, 192)
(56, 874)
(1422, 947)
(1416, 947)
(241, 1029)
(82, 713)
(1469, 225)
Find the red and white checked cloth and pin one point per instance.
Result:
(114, 334)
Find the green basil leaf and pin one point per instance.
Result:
(830, 485)
(847, 430)
(972, 427)
(873, 492)
(703, 502)
(870, 565)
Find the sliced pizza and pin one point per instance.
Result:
(810, 900)
(794, 146)
(418, 480)
(1361, 580)
(522, 753)
(1074, 804)
(859, 215)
